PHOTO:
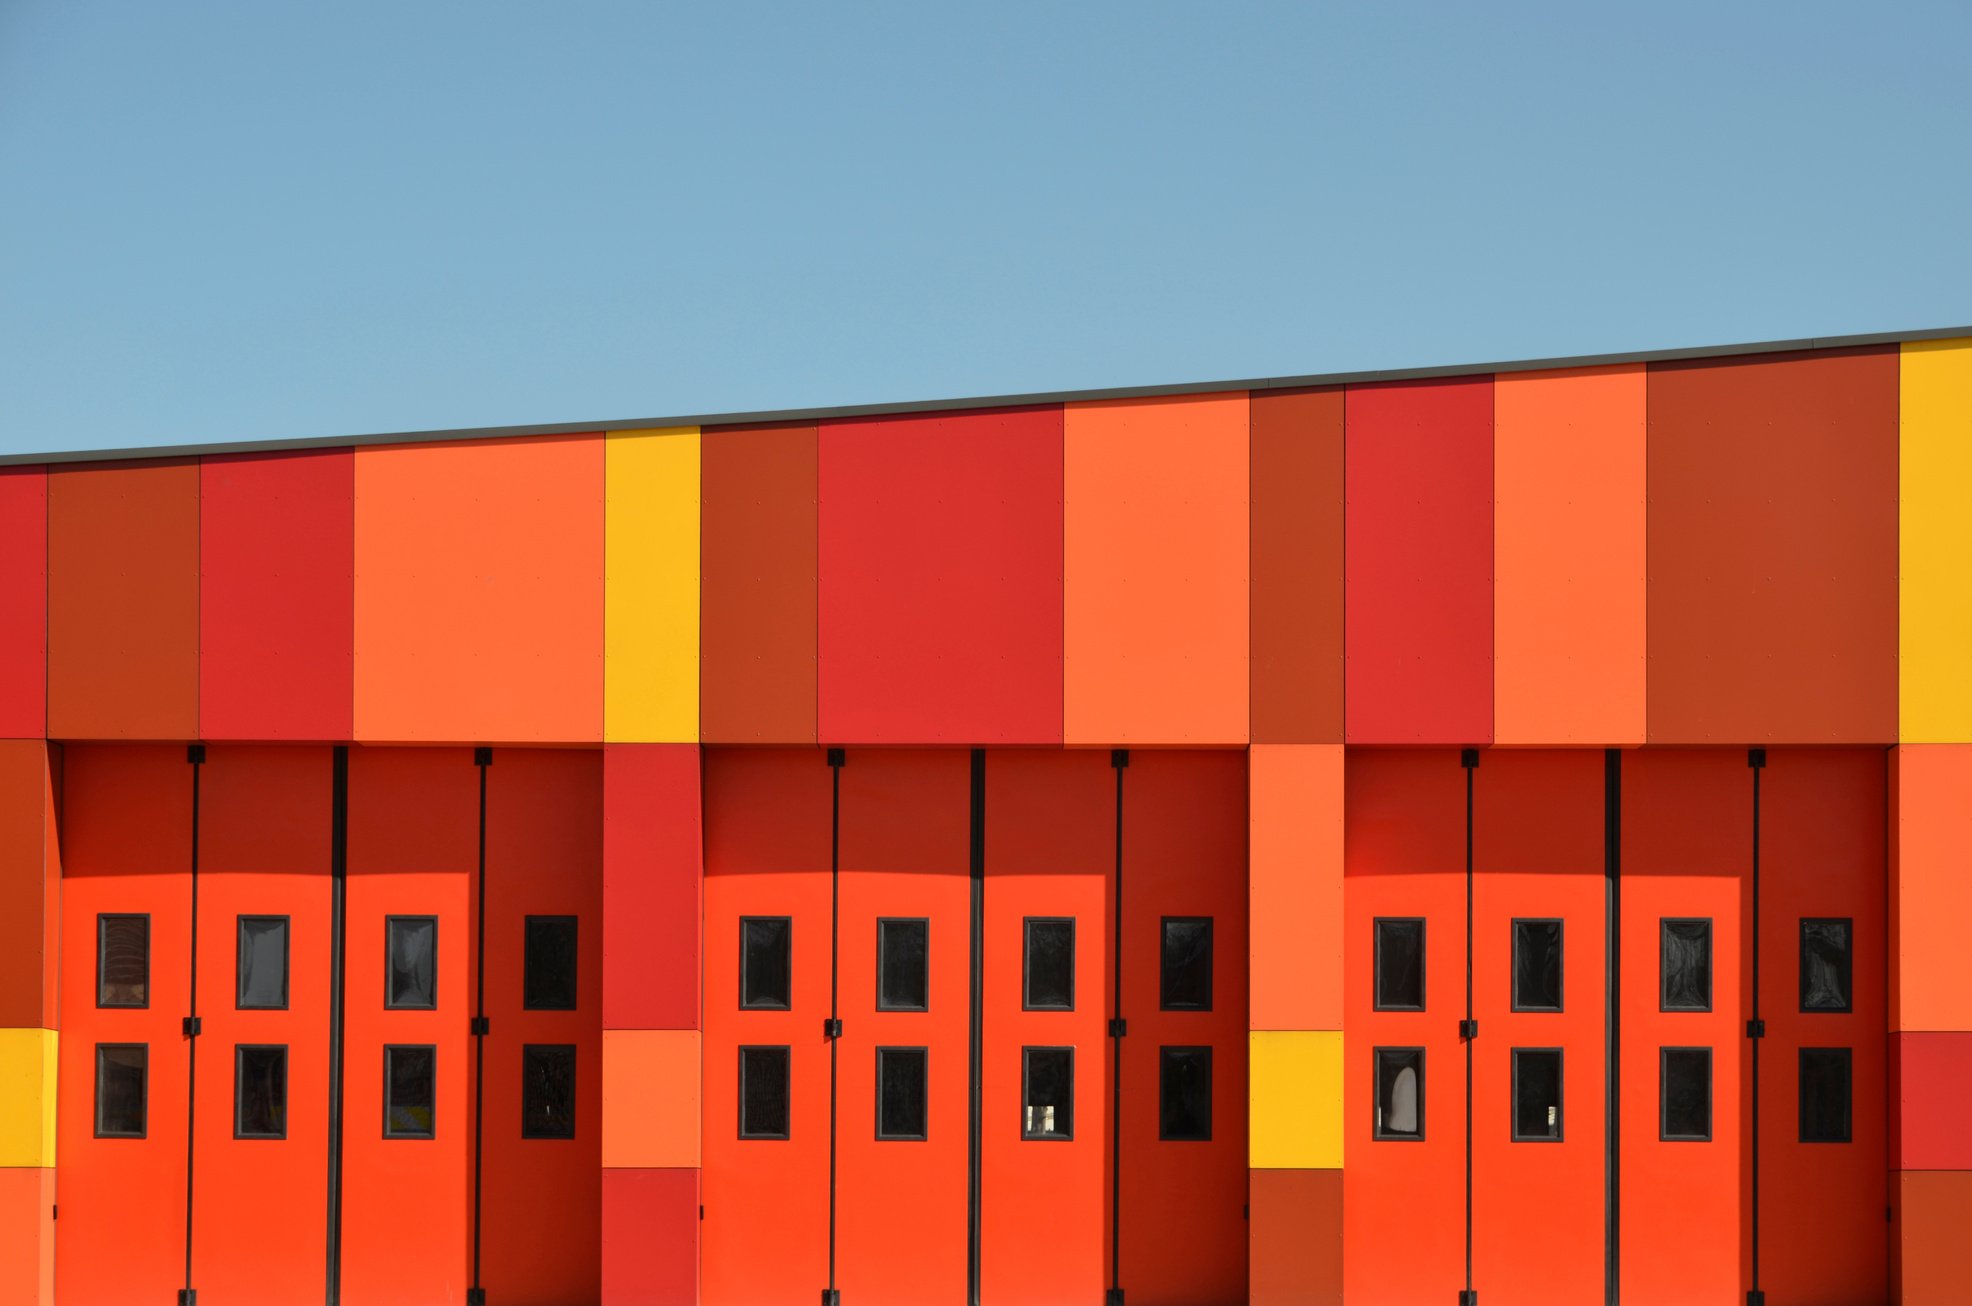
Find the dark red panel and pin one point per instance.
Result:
(30, 888)
(651, 861)
(1296, 1257)
(23, 602)
(1297, 567)
(650, 1237)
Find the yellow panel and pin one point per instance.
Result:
(650, 1099)
(27, 1097)
(1296, 1107)
(650, 588)
(1936, 529)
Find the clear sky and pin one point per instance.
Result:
(253, 219)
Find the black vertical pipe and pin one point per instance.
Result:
(195, 755)
(338, 929)
(1612, 1052)
(476, 1295)
(1119, 759)
(975, 1049)
(836, 758)
(1756, 758)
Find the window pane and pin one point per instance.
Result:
(766, 962)
(1537, 1094)
(1400, 965)
(1826, 964)
(1184, 1090)
(263, 970)
(763, 1092)
(1685, 962)
(122, 1070)
(903, 961)
(1187, 972)
(123, 961)
(1686, 1089)
(1050, 964)
(549, 968)
(547, 1090)
(260, 1092)
(410, 1091)
(1825, 1095)
(1047, 1077)
(900, 1100)
(411, 957)
(1399, 1093)
(1537, 965)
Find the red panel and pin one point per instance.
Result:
(650, 1237)
(1931, 1073)
(941, 578)
(1297, 1238)
(651, 859)
(1297, 653)
(277, 596)
(1420, 551)
(23, 602)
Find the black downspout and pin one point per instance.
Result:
(338, 930)
(187, 1295)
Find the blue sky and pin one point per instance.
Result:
(234, 219)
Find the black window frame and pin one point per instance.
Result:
(882, 953)
(1664, 1134)
(287, 963)
(409, 1136)
(389, 923)
(1848, 1007)
(924, 1054)
(1164, 924)
(745, 1002)
(1560, 965)
(1035, 1136)
(787, 1064)
(144, 1098)
(1165, 1055)
(1848, 1056)
(1027, 924)
(239, 1090)
(1560, 1094)
(102, 955)
(574, 923)
(527, 1050)
(1663, 972)
(1377, 1053)
(1376, 962)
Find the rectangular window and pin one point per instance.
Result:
(763, 1092)
(1050, 964)
(903, 965)
(547, 1090)
(260, 1091)
(1184, 1094)
(1399, 964)
(411, 962)
(1536, 1095)
(123, 961)
(1536, 965)
(261, 981)
(1186, 980)
(1047, 1092)
(548, 967)
(1684, 959)
(1399, 1095)
(1685, 1095)
(1826, 964)
(122, 1077)
(900, 1094)
(1825, 1094)
(766, 963)
(410, 1091)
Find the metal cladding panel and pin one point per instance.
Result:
(1929, 1072)
(940, 592)
(1295, 886)
(1930, 893)
(650, 1237)
(27, 1235)
(757, 585)
(30, 888)
(1297, 567)
(651, 586)
(479, 591)
(1158, 554)
(652, 855)
(23, 602)
(123, 601)
(1295, 1251)
(277, 596)
(1935, 585)
(1773, 549)
(1931, 1261)
(1420, 562)
(1568, 546)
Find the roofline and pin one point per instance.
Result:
(797, 415)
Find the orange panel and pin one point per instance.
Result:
(1934, 1255)
(1930, 893)
(1296, 1257)
(1157, 563)
(1296, 889)
(27, 1235)
(123, 601)
(1568, 546)
(479, 591)
(30, 888)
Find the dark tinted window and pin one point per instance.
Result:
(547, 1090)
(1050, 964)
(766, 962)
(549, 967)
(1047, 1078)
(1537, 1095)
(1685, 1076)
(410, 1076)
(262, 979)
(1826, 965)
(1685, 964)
(1400, 965)
(763, 1092)
(411, 961)
(1184, 1094)
(1825, 1095)
(122, 1071)
(1186, 982)
(1399, 1094)
(260, 1091)
(1537, 965)
(123, 961)
(900, 1093)
(903, 962)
